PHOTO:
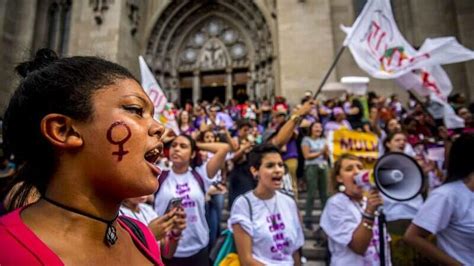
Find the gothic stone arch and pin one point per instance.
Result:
(199, 48)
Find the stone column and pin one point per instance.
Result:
(55, 44)
(263, 83)
(253, 81)
(196, 86)
(251, 86)
(269, 91)
(3, 5)
(228, 88)
(270, 81)
(16, 43)
(174, 91)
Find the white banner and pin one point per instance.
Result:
(379, 48)
(434, 82)
(152, 88)
(426, 81)
(157, 97)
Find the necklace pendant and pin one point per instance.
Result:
(274, 223)
(110, 235)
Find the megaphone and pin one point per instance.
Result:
(365, 179)
(396, 175)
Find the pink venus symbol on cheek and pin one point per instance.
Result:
(121, 152)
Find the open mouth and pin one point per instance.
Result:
(277, 178)
(153, 155)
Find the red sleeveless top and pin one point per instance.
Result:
(20, 246)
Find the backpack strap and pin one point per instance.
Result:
(165, 173)
(135, 229)
(161, 179)
(199, 179)
(250, 207)
(289, 195)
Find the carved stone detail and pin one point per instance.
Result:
(99, 7)
(211, 35)
(213, 55)
(133, 7)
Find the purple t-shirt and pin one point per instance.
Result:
(291, 150)
(188, 131)
(198, 121)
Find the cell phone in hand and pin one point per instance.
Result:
(173, 203)
(216, 184)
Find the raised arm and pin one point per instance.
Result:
(220, 151)
(241, 151)
(286, 131)
(168, 135)
(232, 142)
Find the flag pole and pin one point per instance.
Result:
(422, 104)
(339, 53)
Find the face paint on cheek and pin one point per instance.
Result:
(120, 129)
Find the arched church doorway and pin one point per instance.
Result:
(202, 49)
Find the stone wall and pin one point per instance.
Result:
(113, 38)
(15, 43)
(305, 33)
(129, 46)
(465, 21)
(421, 19)
(306, 47)
(88, 37)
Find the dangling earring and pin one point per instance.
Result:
(341, 188)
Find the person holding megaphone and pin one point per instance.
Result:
(349, 217)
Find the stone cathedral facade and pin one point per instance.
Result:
(201, 49)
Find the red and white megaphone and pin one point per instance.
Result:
(365, 179)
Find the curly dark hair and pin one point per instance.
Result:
(258, 152)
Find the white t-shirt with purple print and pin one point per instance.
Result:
(340, 218)
(196, 235)
(275, 227)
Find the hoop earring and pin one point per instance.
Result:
(341, 188)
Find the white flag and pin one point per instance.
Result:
(152, 88)
(158, 98)
(450, 119)
(379, 48)
(426, 81)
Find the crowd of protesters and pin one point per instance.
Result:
(80, 151)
